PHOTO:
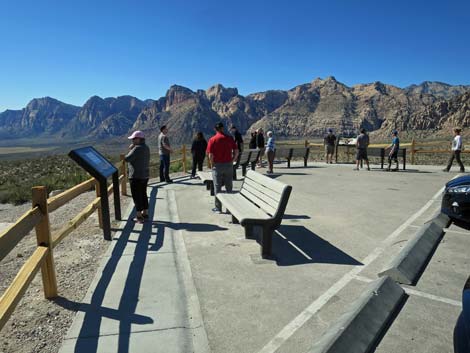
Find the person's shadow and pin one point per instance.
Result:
(94, 312)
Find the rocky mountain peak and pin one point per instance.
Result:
(220, 93)
(178, 94)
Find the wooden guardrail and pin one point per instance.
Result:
(414, 147)
(42, 257)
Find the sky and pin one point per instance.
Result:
(72, 50)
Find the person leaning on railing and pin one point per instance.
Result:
(456, 150)
(138, 159)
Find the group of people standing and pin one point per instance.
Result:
(362, 143)
(221, 149)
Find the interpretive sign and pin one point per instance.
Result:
(101, 169)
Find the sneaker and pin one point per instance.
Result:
(356, 169)
(216, 210)
(445, 170)
(139, 220)
(368, 169)
(169, 181)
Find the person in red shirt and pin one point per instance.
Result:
(222, 151)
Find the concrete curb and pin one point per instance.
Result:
(357, 329)
(407, 265)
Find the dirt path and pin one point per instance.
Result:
(37, 324)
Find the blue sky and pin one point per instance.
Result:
(71, 50)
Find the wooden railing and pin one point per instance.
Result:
(414, 147)
(42, 257)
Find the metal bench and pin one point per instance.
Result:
(206, 178)
(254, 157)
(381, 153)
(243, 160)
(261, 202)
(299, 152)
(289, 153)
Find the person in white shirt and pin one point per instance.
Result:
(456, 149)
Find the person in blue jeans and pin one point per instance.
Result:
(393, 154)
(164, 150)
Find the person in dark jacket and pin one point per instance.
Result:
(253, 140)
(138, 159)
(260, 145)
(237, 137)
(198, 150)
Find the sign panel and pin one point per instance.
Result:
(93, 162)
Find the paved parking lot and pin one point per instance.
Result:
(341, 227)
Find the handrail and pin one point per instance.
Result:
(10, 237)
(42, 257)
(17, 288)
(53, 203)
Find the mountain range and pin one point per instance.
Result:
(307, 110)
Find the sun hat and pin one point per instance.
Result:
(137, 134)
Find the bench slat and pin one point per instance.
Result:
(282, 152)
(299, 152)
(260, 200)
(204, 176)
(244, 158)
(240, 207)
(272, 195)
(267, 182)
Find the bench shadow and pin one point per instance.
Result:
(189, 227)
(294, 216)
(312, 245)
(125, 314)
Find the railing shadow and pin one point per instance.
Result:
(87, 341)
(297, 245)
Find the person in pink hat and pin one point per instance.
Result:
(138, 159)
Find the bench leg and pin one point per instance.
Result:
(234, 220)
(266, 242)
(253, 165)
(305, 162)
(288, 163)
(244, 169)
(234, 173)
(249, 232)
(211, 186)
(208, 187)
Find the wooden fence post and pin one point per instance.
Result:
(124, 178)
(98, 194)
(413, 145)
(43, 237)
(183, 150)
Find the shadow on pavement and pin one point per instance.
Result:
(312, 246)
(190, 227)
(87, 341)
(294, 216)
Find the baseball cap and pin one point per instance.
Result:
(219, 125)
(137, 134)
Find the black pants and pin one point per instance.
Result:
(456, 155)
(164, 167)
(198, 162)
(139, 193)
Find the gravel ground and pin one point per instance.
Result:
(37, 324)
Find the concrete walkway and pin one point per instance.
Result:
(142, 298)
(190, 282)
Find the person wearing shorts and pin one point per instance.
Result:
(329, 142)
(361, 149)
